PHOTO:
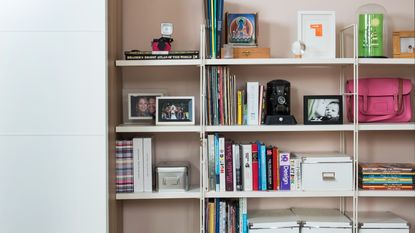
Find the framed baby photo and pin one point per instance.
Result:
(404, 44)
(323, 109)
(175, 110)
(142, 106)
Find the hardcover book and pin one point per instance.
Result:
(285, 171)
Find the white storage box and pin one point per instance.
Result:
(172, 176)
(272, 221)
(323, 221)
(326, 172)
(381, 222)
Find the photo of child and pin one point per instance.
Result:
(323, 111)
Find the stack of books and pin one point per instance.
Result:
(226, 105)
(134, 161)
(226, 215)
(387, 176)
(214, 12)
(250, 167)
(161, 55)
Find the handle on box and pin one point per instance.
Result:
(328, 176)
(246, 53)
(173, 180)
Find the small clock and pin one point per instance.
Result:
(298, 48)
(166, 29)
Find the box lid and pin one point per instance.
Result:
(327, 218)
(323, 157)
(281, 218)
(173, 166)
(380, 220)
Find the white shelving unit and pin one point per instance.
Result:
(201, 192)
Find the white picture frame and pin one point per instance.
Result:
(134, 112)
(317, 30)
(175, 110)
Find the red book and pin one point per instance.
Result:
(275, 168)
(254, 166)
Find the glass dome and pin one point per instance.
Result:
(372, 31)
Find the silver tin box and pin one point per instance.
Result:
(172, 176)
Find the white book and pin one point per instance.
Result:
(247, 167)
(222, 176)
(138, 167)
(252, 89)
(148, 164)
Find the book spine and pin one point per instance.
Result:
(161, 57)
(222, 176)
(247, 167)
(211, 163)
(239, 111)
(235, 161)
(263, 167)
(244, 212)
(285, 171)
(260, 95)
(229, 166)
(148, 163)
(298, 174)
(270, 183)
(252, 102)
(259, 166)
(217, 163)
(255, 173)
(138, 165)
(275, 168)
(293, 185)
(211, 227)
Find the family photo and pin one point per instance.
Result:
(142, 106)
(175, 110)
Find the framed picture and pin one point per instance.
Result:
(175, 110)
(323, 109)
(142, 106)
(317, 30)
(241, 29)
(404, 44)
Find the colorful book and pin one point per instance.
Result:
(229, 172)
(255, 165)
(275, 168)
(285, 171)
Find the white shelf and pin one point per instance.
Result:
(279, 128)
(193, 193)
(261, 194)
(386, 193)
(193, 62)
(386, 61)
(280, 61)
(386, 126)
(127, 128)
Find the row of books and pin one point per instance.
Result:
(228, 106)
(161, 55)
(250, 167)
(387, 176)
(134, 161)
(226, 215)
(214, 12)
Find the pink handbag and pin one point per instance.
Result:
(381, 100)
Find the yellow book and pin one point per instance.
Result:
(211, 209)
(239, 107)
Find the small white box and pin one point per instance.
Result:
(326, 172)
(271, 221)
(323, 221)
(381, 222)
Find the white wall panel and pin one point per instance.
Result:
(52, 82)
(55, 15)
(52, 184)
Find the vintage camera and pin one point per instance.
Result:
(164, 42)
(278, 102)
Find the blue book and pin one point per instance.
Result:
(217, 165)
(263, 167)
(219, 16)
(259, 165)
(285, 182)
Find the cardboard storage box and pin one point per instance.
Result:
(381, 222)
(323, 221)
(172, 176)
(326, 172)
(271, 221)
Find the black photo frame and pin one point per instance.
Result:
(323, 109)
